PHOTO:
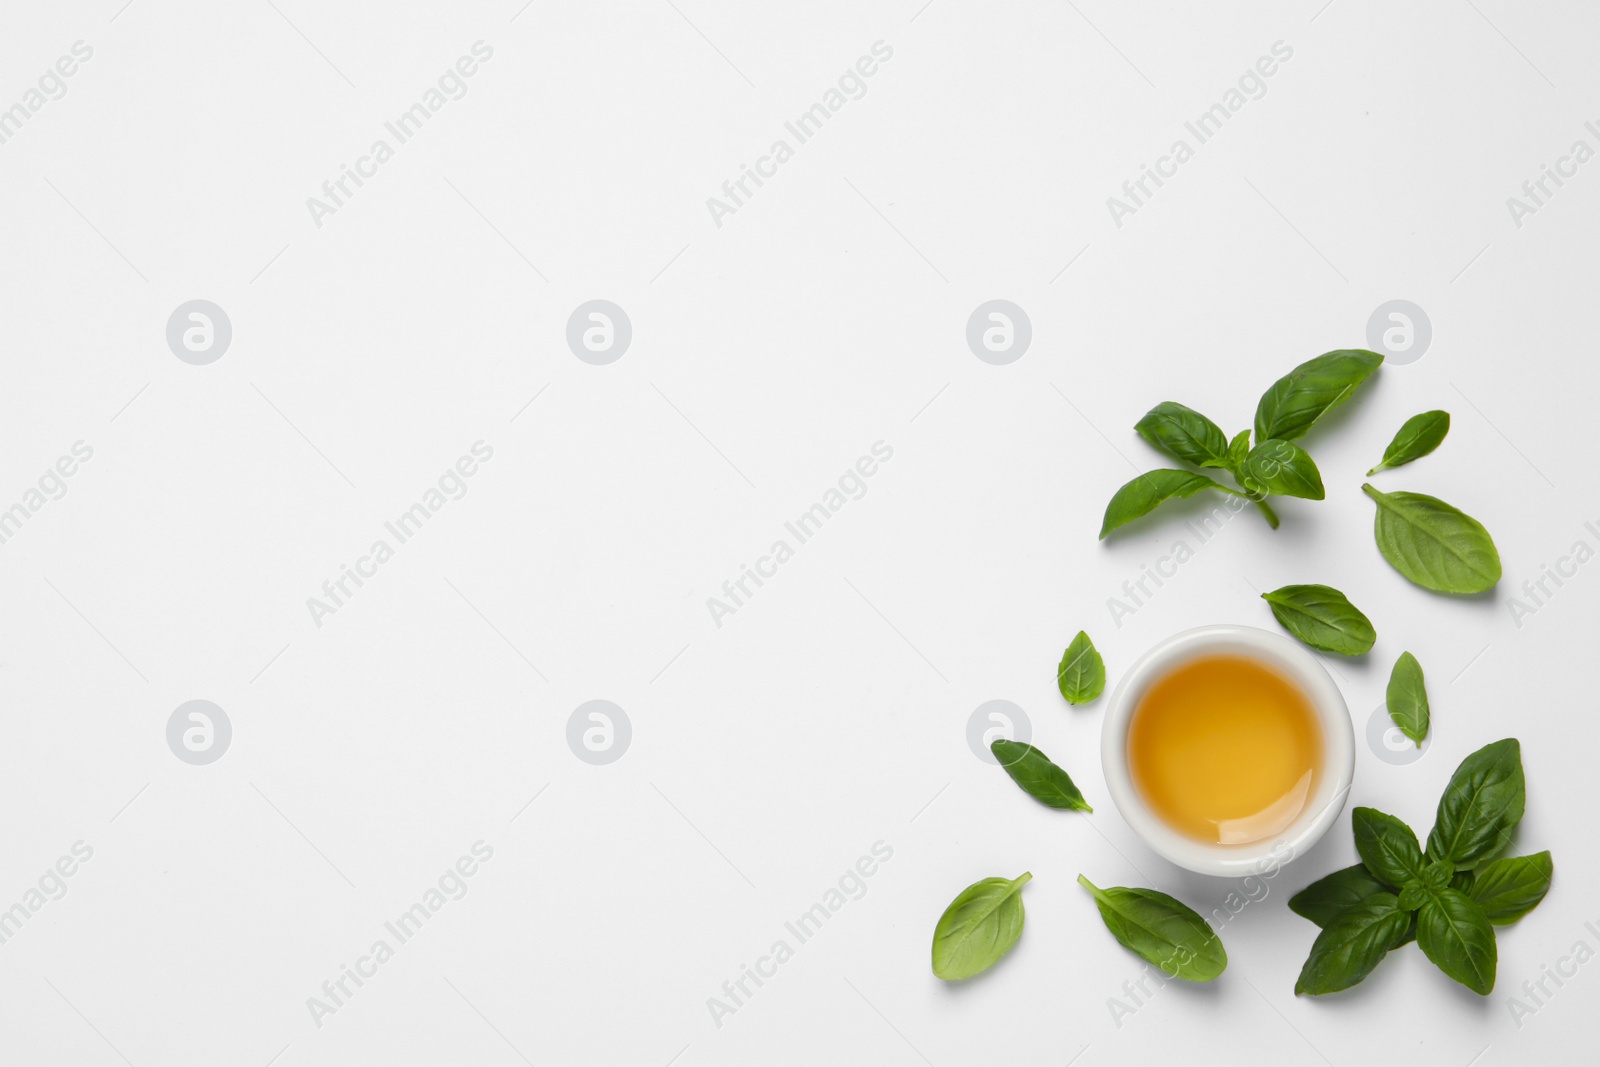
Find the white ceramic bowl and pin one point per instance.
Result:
(1338, 741)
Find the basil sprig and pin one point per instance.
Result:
(1323, 618)
(979, 927)
(1274, 467)
(1447, 898)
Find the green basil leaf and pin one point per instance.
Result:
(1353, 944)
(1420, 435)
(1387, 846)
(1185, 434)
(1326, 899)
(1462, 880)
(1323, 618)
(1150, 490)
(1408, 698)
(1038, 777)
(1166, 932)
(1455, 934)
(1411, 932)
(1412, 896)
(1437, 546)
(1480, 807)
(1081, 675)
(979, 927)
(1438, 874)
(1298, 399)
(1508, 889)
(1238, 448)
(1284, 469)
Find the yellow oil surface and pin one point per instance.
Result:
(1225, 749)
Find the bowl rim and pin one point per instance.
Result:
(1327, 702)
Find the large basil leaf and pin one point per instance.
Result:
(1420, 435)
(1298, 399)
(1327, 898)
(1353, 944)
(1081, 675)
(1150, 490)
(1323, 618)
(1435, 545)
(1387, 846)
(979, 927)
(1166, 932)
(1508, 889)
(1184, 433)
(1038, 777)
(1408, 698)
(1480, 807)
(1455, 934)
(1284, 469)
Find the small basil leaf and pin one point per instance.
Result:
(1150, 490)
(1284, 469)
(1508, 889)
(1323, 618)
(1185, 434)
(1038, 777)
(1455, 934)
(1408, 698)
(979, 927)
(1353, 944)
(1462, 880)
(1081, 675)
(1480, 806)
(1412, 896)
(1298, 399)
(1387, 846)
(1238, 448)
(1326, 899)
(1420, 435)
(1438, 874)
(1437, 546)
(1166, 932)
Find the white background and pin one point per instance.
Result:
(768, 354)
